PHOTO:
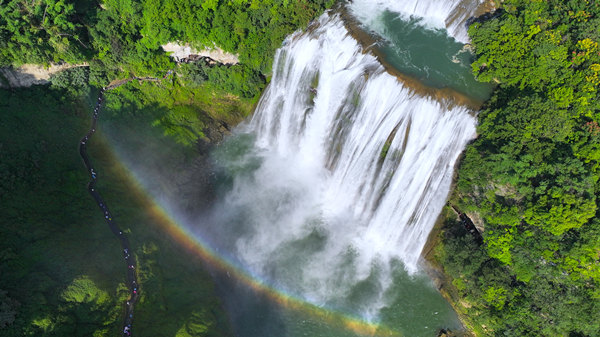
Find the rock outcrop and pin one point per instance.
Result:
(181, 52)
(30, 74)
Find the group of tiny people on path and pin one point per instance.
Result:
(131, 276)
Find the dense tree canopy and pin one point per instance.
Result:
(533, 173)
(127, 34)
(41, 31)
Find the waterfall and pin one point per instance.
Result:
(440, 14)
(349, 171)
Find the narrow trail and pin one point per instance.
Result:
(132, 281)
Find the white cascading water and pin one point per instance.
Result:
(355, 168)
(450, 15)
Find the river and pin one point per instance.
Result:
(326, 196)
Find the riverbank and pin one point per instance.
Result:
(448, 220)
(434, 267)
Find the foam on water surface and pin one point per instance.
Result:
(434, 14)
(354, 169)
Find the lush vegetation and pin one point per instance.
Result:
(119, 39)
(187, 111)
(532, 175)
(42, 32)
(62, 269)
(119, 36)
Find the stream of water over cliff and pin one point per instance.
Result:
(327, 194)
(346, 172)
(346, 154)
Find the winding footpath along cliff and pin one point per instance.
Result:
(132, 281)
(111, 222)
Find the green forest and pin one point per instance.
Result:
(62, 269)
(60, 266)
(124, 36)
(121, 39)
(531, 178)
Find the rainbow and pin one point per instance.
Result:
(197, 246)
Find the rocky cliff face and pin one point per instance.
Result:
(180, 52)
(30, 74)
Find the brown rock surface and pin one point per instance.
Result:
(30, 74)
